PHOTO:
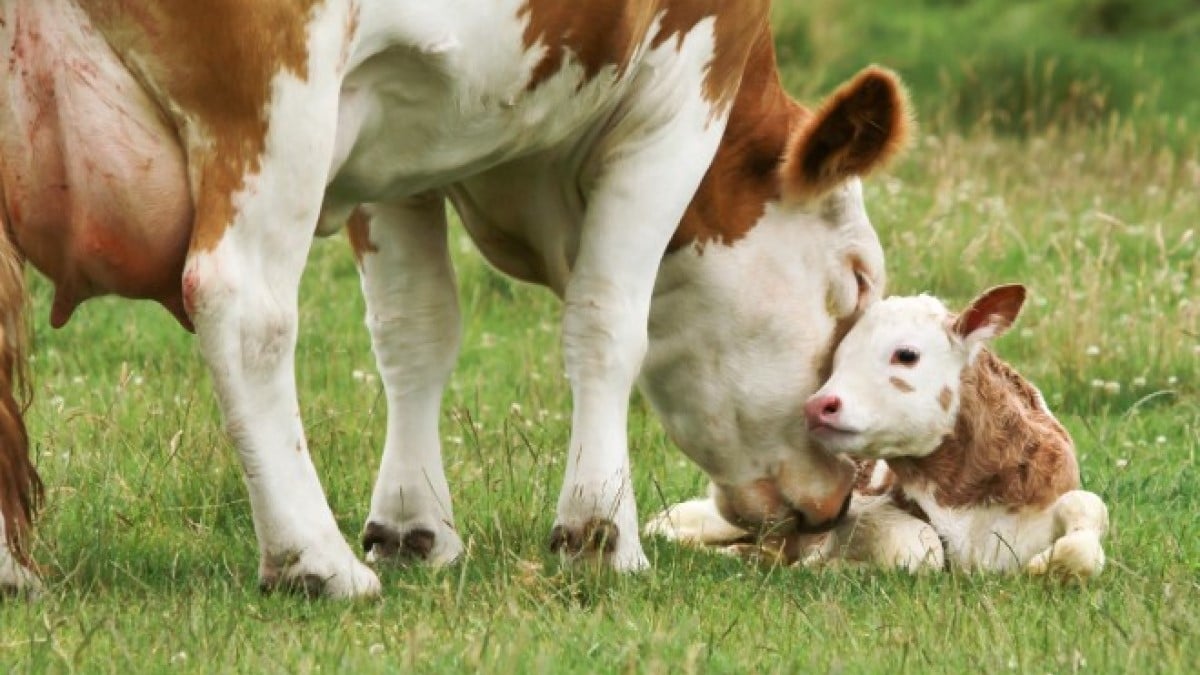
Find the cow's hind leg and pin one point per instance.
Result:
(241, 282)
(413, 317)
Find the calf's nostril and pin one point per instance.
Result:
(831, 406)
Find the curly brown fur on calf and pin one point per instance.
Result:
(1005, 449)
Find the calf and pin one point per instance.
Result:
(954, 448)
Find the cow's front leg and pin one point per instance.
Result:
(242, 297)
(633, 209)
(412, 313)
(255, 217)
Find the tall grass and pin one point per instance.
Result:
(1016, 67)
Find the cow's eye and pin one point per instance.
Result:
(905, 356)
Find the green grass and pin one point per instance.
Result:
(149, 549)
(1012, 65)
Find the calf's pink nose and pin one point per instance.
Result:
(822, 410)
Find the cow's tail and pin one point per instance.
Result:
(20, 486)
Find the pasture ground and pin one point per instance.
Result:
(149, 549)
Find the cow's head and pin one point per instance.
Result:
(766, 295)
(895, 387)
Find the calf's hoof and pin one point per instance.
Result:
(599, 539)
(314, 576)
(416, 543)
(1077, 555)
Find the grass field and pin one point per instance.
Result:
(149, 549)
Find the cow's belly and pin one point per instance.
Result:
(433, 112)
(94, 184)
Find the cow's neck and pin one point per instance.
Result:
(742, 178)
(1006, 447)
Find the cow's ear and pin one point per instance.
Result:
(859, 128)
(991, 314)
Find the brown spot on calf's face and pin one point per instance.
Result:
(213, 62)
(945, 398)
(902, 385)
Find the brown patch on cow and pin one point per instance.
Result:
(901, 385)
(595, 34)
(210, 65)
(600, 34)
(743, 176)
(945, 398)
(736, 29)
(862, 126)
(358, 229)
(1005, 448)
(20, 486)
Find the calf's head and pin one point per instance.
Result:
(895, 386)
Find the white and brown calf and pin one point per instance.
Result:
(960, 460)
(639, 158)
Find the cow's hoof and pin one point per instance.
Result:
(315, 578)
(599, 539)
(384, 543)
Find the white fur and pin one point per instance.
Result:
(244, 308)
(695, 521)
(879, 533)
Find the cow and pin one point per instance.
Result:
(960, 461)
(705, 232)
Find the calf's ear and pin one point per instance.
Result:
(990, 314)
(856, 130)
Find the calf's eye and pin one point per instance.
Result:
(905, 356)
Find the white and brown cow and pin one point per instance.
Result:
(637, 157)
(959, 458)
